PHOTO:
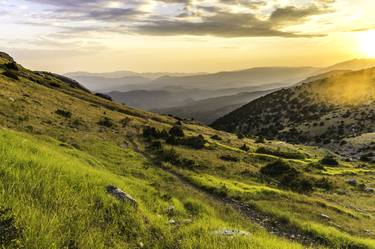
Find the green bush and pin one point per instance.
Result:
(279, 168)
(197, 142)
(177, 131)
(288, 176)
(329, 160)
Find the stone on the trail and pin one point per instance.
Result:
(121, 195)
(352, 182)
(231, 232)
(324, 216)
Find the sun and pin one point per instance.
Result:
(367, 43)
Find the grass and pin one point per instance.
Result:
(57, 195)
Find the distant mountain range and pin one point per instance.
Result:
(184, 94)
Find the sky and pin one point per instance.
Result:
(184, 35)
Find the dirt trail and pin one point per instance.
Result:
(264, 220)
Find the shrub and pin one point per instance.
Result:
(156, 145)
(279, 168)
(324, 183)
(63, 113)
(197, 142)
(177, 131)
(229, 158)
(12, 66)
(106, 122)
(172, 140)
(244, 147)
(288, 176)
(366, 157)
(152, 132)
(260, 140)
(11, 75)
(173, 157)
(9, 232)
(329, 160)
(216, 137)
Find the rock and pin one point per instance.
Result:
(231, 232)
(352, 182)
(324, 216)
(172, 222)
(369, 190)
(121, 195)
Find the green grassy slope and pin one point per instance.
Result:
(61, 146)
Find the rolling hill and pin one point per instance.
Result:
(80, 171)
(325, 111)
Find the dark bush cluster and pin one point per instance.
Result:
(150, 132)
(177, 131)
(10, 234)
(329, 160)
(106, 122)
(63, 113)
(11, 74)
(174, 158)
(12, 66)
(175, 136)
(288, 176)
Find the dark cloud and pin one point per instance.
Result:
(292, 14)
(224, 24)
(214, 20)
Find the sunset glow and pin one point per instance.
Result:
(367, 43)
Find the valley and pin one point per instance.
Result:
(62, 148)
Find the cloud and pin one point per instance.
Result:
(226, 24)
(223, 18)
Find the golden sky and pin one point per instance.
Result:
(184, 35)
